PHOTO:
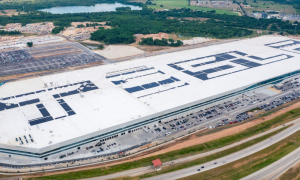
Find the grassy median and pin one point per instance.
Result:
(292, 173)
(197, 149)
(211, 157)
(250, 164)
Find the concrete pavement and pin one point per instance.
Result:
(277, 168)
(230, 158)
(144, 170)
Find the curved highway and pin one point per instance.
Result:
(277, 168)
(230, 158)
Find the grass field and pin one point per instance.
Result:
(252, 163)
(201, 148)
(269, 5)
(171, 4)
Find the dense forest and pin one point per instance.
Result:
(163, 42)
(113, 36)
(127, 23)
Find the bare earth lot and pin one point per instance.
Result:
(10, 12)
(117, 51)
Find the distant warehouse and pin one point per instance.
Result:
(67, 110)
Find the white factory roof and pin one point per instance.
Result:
(159, 86)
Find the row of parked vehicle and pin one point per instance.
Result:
(282, 100)
(65, 155)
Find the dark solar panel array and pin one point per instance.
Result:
(70, 113)
(66, 107)
(246, 63)
(175, 79)
(56, 96)
(282, 46)
(84, 87)
(166, 81)
(46, 116)
(175, 67)
(134, 89)
(219, 58)
(20, 95)
(40, 91)
(39, 105)
(7, 98)
(239, 53)
(256, 58)
(40, 120)
(60, 117)
(24, 103)
(263, 59)
(297, 49)
(118, 82)
(276, 42)
(151, 85)
(3, 106)
(69, 93)
(203, 74)
(124, 81)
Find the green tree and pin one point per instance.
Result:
(273, 27)
(101, 46)
(57, 30)
(29, 44)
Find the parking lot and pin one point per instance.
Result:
(43, 58)
(14, 57)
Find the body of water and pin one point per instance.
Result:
(104, 7)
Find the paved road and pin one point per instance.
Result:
(230, 158)
(277, 168)
(143, 170)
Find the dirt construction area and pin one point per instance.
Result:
(189, 141)
(74, 30)
(117, 51)
(196, 40)
(84, 23)
(10, 12)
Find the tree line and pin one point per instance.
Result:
(162, 42)
(127, 23)
(2, 32)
